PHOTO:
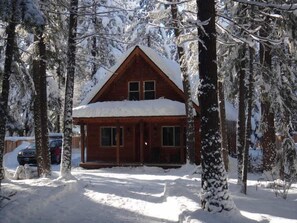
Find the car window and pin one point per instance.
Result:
(52, 144)
(59, 143)
(56, 143)
(31, 146)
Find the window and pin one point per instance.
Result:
(171, 136)
(109, 136)
(149, 90)
(134, 91)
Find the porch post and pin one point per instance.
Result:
(141, 142)
(118, 134)
(134, 142)
(82, 143)
(182, 146)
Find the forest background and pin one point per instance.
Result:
(47, 47)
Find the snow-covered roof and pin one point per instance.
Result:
(157, 107)
(169, 67)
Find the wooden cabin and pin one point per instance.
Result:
(136, 115)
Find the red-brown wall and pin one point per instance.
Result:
(138, 68)
(130, 151)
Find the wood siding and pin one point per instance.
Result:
(153, 151)
(139, 70)
(142, 136)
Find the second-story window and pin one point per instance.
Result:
(134, 91)
(149, 90)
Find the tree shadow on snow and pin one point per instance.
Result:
(232, 216)
(262, 201)
(65, 203)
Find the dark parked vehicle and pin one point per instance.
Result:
(28, 155)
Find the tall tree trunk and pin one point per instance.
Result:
(46, 156)
(190, 128)
(268, 128)
(248, 130)
(37, 116)
(94, 50)
(268, 136)
(59, 107)
(267, 120)
(214, 189)
(223, 126)
(240, 138)
(40, 109)
(67, 142)
(9, 51)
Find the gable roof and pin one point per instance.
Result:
(170, 68)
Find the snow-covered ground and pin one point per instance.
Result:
(140, 195)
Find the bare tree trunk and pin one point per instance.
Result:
(240, 138)
(214, 187)
(248, 123)
(223, 128)
(67, 142)
(268, 128)
(268, 137)
(190, 128)
(94, 50)
(9, 51)
(46, 156)
(59, 107)
(40, 109)
(37, 117)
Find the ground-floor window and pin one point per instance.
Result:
(171, 136)
(109, 136)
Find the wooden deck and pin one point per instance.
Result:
(98, 165)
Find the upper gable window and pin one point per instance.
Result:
(133, 91)
(149, 90)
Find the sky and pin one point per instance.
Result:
(134, 194)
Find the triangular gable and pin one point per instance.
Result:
(168, 69)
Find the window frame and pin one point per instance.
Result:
(112, 139)
(174, 136)
(144, 90)
(138, 82)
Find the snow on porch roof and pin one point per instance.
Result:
(158, 107)
(169, 67)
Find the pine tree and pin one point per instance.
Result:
(40, 107)
(248, 129)
(214, 192)
(190, 128)
(14, 12)
(10, 31)
(71, 52)
(241, 121)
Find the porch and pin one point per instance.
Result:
(134, 142)
(98, 165)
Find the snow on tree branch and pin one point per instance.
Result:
(27, 11)
(284, 7)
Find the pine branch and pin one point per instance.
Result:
(283, 7)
